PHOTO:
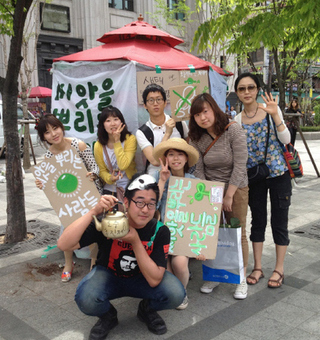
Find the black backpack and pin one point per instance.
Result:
(149, 135)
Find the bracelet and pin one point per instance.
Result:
(279, 125)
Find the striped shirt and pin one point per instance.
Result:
(226, 161)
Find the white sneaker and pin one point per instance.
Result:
(184, 304)
(241, 291)
(208, 286)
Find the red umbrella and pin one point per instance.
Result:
(40, 92)
(140, 29)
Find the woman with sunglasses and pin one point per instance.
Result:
(265, 146)
(224, 161)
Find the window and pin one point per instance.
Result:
(121, 4)
(55, 18)
(172, 4)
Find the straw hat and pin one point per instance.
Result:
(177, 144)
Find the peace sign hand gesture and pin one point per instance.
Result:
(117, 133)
(164, 172)
(271, 104)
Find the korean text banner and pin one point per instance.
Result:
(66, 186)
(193, 211)
(80, 91)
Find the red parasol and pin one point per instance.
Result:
(140, 29)
(40, 92)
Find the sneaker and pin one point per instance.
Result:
(149, 316)
(104, 325)
(208, 286)
(184, 303)
(241, 291)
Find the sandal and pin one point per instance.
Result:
(278, 282)
(255, 281)
(66, 276)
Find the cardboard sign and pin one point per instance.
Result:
(165, 79)
(191, 84)
(193, 211)
(66, 186)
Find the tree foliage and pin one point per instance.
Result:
(286, 28)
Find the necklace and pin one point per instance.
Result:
(244, 110)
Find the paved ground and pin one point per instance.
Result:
(35, 305)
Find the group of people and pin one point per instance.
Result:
(138, 264)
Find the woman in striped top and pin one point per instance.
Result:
(225, 162)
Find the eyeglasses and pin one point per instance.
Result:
(152, 100)
(141, 205)
(243, 89)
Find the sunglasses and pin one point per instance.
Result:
(243, 89)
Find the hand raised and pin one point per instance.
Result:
(170, 125)
(164, 172)
(271, 104)
(117, 133)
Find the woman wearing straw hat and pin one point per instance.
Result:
(176, 156)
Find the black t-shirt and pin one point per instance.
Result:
(119, 257)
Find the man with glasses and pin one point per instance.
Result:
(146, 245)
(160, 127)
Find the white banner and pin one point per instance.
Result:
(81, 90)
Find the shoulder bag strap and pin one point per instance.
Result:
(211, 145)
(267, 141)
(107, 158)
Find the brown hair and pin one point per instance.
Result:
(220, 118)
(44, 122)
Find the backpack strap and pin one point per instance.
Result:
(149, 135)
(158, 226)
(179, 127)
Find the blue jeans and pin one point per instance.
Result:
(100, 286)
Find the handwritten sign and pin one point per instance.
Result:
(66, 186)
(193, 211)
(191, 84)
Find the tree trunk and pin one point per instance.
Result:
(16, 229)
(25, 133)
(281, 81)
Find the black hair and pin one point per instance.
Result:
(153, 88)
(186, 166)
(103, 136)
(244, 75)
(44, 122)
(130, 193)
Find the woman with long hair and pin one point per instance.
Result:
(265, 129)
(51, 133)
(294, 107)
(225, 161)
(115, 151)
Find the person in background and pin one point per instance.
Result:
(225, 161)
(233, 113)
(134, 265)
(294, 107)
(254, 121)
(51, 132)
(160, 127)
(114, 151)
(176, 156)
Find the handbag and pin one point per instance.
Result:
(293, 160)
(228, 265)
(119, 190)
(261, 170)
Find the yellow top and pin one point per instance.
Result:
(124, 155)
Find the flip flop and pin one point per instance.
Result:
(255, 281)
(278, 282)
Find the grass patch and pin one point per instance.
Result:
(310, 128)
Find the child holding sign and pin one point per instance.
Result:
(175, 157)
(51, 132)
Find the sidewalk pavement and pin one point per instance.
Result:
(36, 305)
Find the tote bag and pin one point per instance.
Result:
(228, 265)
